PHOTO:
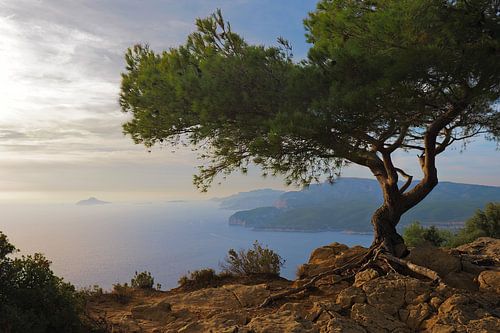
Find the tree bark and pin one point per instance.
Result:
(384, 221)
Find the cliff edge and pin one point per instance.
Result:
(467, 298)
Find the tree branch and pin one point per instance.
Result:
(399, 141)
(405, 145)
(446, 142)
(409, 179)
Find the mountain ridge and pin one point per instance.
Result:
(348, 204)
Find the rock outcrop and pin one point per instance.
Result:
(372, 301)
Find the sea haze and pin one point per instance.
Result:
(106, 244)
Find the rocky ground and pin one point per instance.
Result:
(467, 299)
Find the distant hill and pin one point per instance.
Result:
(250, 200)
(349, 203)
(91, 202)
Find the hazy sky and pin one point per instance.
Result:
(60, 124)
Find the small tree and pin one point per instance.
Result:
(257, 260)
(413, 234)
(485, 223)
(143, 280)
(434, 236)
(482, 224)
(381, 76)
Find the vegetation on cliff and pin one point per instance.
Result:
(484, 223)
(32, 298)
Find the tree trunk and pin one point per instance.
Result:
(384, 222)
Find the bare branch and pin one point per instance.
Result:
(409, 179)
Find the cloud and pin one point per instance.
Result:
(60, 64)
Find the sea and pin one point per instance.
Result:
(105, 244)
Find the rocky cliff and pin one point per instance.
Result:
(465, 299)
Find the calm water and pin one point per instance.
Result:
(107, 244)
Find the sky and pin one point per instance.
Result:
(60, 123)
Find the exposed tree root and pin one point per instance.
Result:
(365, 260)
(424, 271)
(355, 265)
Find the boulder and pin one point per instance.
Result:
(414, 315)
(349, 296)
(462, 280)
(376, 321)
(484, 325)
(387, 295)
(436, 259)
(364, 276)
(324, 253)
(460, 313)
(456, 308)
(328, 257)
(489, 281)
(483, 246)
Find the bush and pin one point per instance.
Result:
(257, 260)
(32, 298)
(122, 293)
(200, 279)
(142, 280)
(482, 224)
(415, 234)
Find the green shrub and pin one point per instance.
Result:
(482, 224)
(413, 234)
(142, 280)
(32, 298)
(201, 278)
(416, 234)
(257, 260)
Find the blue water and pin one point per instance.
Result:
(106, 244)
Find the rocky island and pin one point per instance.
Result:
(91, 202)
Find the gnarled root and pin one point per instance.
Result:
(355, 265)
(424, 271)
(358, 262)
